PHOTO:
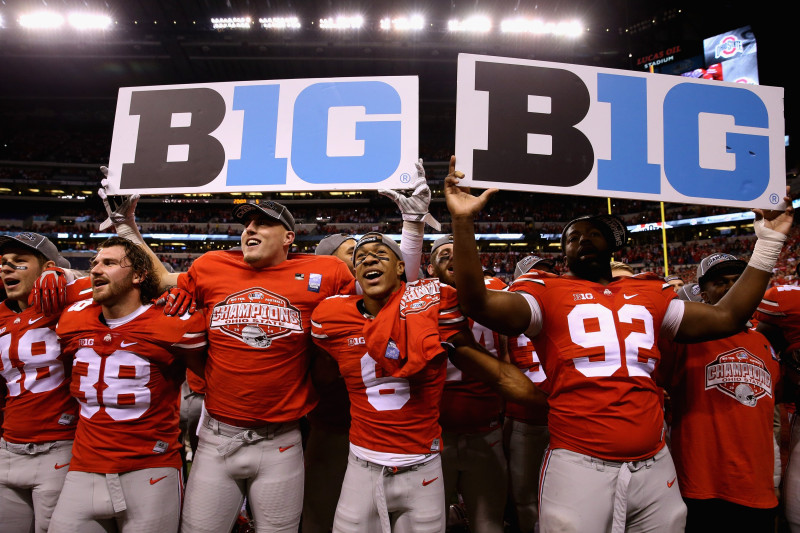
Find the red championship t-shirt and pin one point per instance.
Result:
(127, 381)
(723, 396)
(598, 348)
(389, 414)
(258, 324)
(469, 405)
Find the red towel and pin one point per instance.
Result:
(405, 334)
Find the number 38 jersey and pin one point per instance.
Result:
(127, 381)
(598, 345)
(389, 414)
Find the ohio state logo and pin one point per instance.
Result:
(256, 317)
(728, 47)
(741, 375)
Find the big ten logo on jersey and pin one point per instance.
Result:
(582, 296)
(30, 362)
(304, 134)
(573, 129)
(356, 341)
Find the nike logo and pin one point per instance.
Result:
(34, 320)
(670, 483)
(154, 481)
(425, 483)
(629, 296)
(284, 448)
(126, 344)
(495, 443)
(59, 467)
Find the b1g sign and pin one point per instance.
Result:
(298, 135)
(570, 129)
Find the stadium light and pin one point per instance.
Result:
(279, 23)
(475, 24)
(228, 23)
(41, 20)
(414, 22)
(353, 22)
(540, 27)
(89, 21)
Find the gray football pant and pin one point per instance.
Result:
(526, 446)
(374, 501)
(31, 477)
(140, 501)
(265, 464)
(474, 466)
(583, 494)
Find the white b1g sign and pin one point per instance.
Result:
(277, 135)
(571, 129)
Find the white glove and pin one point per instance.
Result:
(122, 215)
(415, 206)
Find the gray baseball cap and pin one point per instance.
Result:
(35, 242)
(690, 293)
(331, 243)
(527, 263)
(374, 236)
(441, 241)
(270, 209)
(719, 264)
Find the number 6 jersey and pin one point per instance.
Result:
(598, 348)
(127, 381)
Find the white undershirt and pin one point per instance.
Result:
(116, 322)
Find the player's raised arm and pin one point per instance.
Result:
(122, 215)
(505, 312)
(704, 322)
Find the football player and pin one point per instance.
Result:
(39, 415)
(387, 344)
(723, 398)
(129, 361)
(473, 461)
(596, 337)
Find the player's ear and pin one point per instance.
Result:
(430, 270)
(401, 268)
(288, 238)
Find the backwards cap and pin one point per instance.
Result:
(270, 209)
(527, 263)
(613, 229)
(441, 241)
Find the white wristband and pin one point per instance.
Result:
(127, 232)
(765, 253)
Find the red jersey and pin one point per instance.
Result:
(469, 405)
(523, 355)
(781, 308)
(38, 407)
(723, 396)
(127, 381)
(598, 348)
(258, 324)
(389, 414)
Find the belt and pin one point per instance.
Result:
(243, 436)
(33, 448)
(392, 470)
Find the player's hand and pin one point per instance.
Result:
(459, 200)
(416, 206)
(778, 221)
(177, 302)
(49, 294)
(121, 211)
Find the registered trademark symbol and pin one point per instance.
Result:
(405, 177)
(774, 198)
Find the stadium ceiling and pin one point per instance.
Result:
(166, 42)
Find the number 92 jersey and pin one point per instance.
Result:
(598, 345)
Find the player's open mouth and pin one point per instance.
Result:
(99, 282)
(252, 242)
(9, 282)
(372, 275)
